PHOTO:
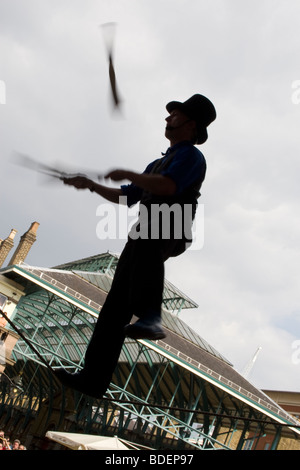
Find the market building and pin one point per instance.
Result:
(176, 393)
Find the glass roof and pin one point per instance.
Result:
(105, 263)
(173, 299)
(98, 271)
(178, 326)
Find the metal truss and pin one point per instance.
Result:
(152, 415)
(150, 395)
(60, 332)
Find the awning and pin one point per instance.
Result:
(77, 441)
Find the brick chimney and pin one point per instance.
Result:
(26, 242)
(6, 245)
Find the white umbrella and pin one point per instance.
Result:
(76, 441)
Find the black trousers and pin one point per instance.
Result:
(137, 289)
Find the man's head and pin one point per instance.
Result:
(180, 127)
(189, 120)
(16, 444)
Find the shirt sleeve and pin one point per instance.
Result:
(132, 192)
(187, 166)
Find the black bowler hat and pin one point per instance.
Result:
(199, 109)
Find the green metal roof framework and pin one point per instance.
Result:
(158, 393)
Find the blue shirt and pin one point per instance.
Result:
(187, 166)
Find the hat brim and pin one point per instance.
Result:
(175, 105)
(202, 135)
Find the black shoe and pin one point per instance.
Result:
(144, 330)
(79, 381)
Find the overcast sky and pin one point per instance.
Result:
(244, 55)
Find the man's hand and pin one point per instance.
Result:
(119, 175)
(79, 182)
(82, 182)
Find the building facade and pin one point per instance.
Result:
(177, 393)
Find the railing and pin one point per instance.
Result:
(63, 287)
(266, 404)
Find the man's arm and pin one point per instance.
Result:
(157, 184)
(81, 182)
(154, 183)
